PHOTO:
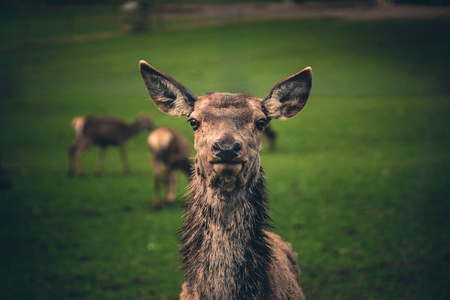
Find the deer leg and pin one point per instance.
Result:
(99, 163)
(271, 138)
(171, 179)
(271, 144)
(75, 151)
(71, 170)
(156, 182)
(123, 156)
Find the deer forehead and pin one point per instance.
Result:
(237, 109)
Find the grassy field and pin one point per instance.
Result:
(359, 183)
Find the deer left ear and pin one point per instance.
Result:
(288, 97)
(169, 95)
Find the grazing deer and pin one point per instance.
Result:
(226, 253)
(271, 137)
(103, 131)
(169, 150)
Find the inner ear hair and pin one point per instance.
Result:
(169, 95)
(288, 97)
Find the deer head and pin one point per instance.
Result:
(228, 127)
(145, 122)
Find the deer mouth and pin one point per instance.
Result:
(227, 168)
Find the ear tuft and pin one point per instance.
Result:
(169, 95)
(288, 97)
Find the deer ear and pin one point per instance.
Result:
(289, 96)
(169, 95)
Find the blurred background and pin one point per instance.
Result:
(358, 182)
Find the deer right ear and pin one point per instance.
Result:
(170, 96)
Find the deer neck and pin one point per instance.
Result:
(133, 129)
(225, 253)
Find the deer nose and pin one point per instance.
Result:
(226, 152)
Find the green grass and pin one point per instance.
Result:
(359, 183)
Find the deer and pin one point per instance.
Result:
(271, 138)
(103, 131)
(169, 154)
(226, 251)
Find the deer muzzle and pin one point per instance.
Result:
(227, 159)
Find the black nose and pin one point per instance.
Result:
(226, 152)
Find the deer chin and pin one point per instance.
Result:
(226, 176)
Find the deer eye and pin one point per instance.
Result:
(261, 124)
(194, 123)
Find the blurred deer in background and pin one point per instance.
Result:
(103, 131)
(169, 154)
(226, 252)
(271, 138)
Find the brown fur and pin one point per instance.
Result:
(102, 131)
(271, 138)
(226, 253)
(169, 150)
(284, 271)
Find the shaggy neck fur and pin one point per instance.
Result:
(225, 253)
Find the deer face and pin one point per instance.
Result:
(227, 127)
(227, 137)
